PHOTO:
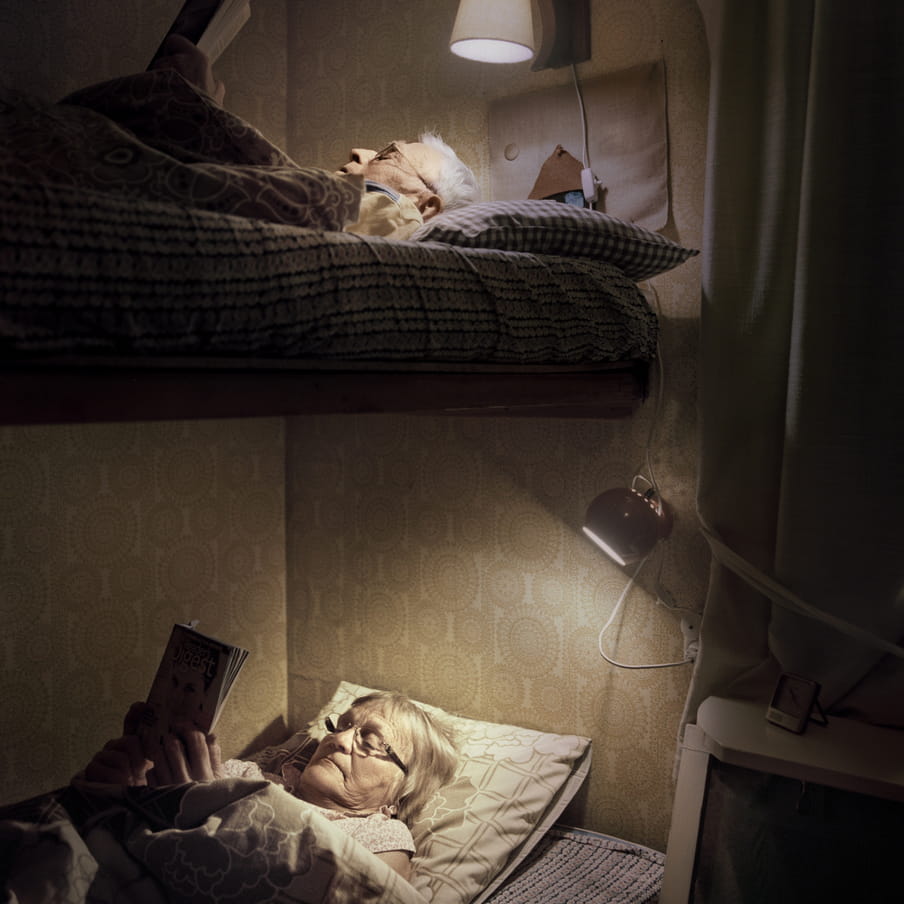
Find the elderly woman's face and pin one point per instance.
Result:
(350, 769)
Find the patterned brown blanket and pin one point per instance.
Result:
(233, 841)
(138, 218)
(153, 137)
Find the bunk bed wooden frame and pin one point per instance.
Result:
(133, 389)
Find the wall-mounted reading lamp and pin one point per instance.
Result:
(502, 31)
(626, 524)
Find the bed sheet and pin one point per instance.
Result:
(575, 866)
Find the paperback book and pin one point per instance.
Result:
(210, 24)
(193, 681)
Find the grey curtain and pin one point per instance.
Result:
(801, 483)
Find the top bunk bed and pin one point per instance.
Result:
(159, 259)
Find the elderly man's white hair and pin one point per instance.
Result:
(457, 185)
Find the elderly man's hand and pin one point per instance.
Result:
(192, 64)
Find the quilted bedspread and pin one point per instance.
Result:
(233, 841)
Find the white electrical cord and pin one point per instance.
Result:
(589, 185)
(655, 489)
(612, 617)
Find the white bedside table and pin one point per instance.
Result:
(733, 735)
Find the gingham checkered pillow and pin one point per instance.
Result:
(551, 227)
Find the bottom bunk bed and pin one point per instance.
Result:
(489, 836)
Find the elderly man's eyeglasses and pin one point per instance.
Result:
(393, 152)
(368, 740)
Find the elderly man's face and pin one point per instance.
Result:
(408, 167)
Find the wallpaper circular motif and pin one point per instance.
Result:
(20, 591)
(316, 556)
(400, 473)
(383, 520)
(525, 533)
(399, 570)
(78, 585)
(26, 707)
(103, 531)
(581, 651)
(505, 691)
(164, 524)
(186, 473)
(505, 586)
(132, 477)
(132, 578)
(103, 638)
(449, 578)
(313, 649)
(473, 528)
(549, 589)
(254, 602)
(427, 622)
(21, 478)
(256, 511)
(381, 622)
(111, 440)
(554, 705)
(39, 534)
(528, 644)
(236, 561)
(429, 523)
(76, 478)
(451, 479)
(187, 571)
(470, 630)
(450, 675)
(383, 436)
(207, 519)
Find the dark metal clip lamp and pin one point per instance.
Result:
(626, 523)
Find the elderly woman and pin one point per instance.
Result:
(371, 774)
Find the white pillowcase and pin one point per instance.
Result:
(510, 787)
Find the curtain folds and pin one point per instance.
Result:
(801, 477)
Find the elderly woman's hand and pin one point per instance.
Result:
(122, 761)
(192, 64)
(188, 755)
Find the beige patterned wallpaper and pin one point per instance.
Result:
(441, 556)
(109, 535)
(444, 556)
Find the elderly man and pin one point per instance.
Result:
(406, 183)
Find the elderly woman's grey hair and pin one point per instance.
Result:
(457, 184)
(434, 750)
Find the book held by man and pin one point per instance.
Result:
(210, 24)
(193, 680)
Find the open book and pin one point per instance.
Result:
(210, 24)
(193, 680)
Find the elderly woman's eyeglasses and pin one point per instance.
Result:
(368, 740)
(393, 152)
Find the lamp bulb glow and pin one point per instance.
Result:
(490, 50)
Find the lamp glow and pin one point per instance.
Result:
(497, 32)
(626, 524)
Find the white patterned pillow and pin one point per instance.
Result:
(551, 227)
(510, 787)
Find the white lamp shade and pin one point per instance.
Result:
(494, 31)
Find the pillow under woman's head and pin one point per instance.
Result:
(509, 787)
